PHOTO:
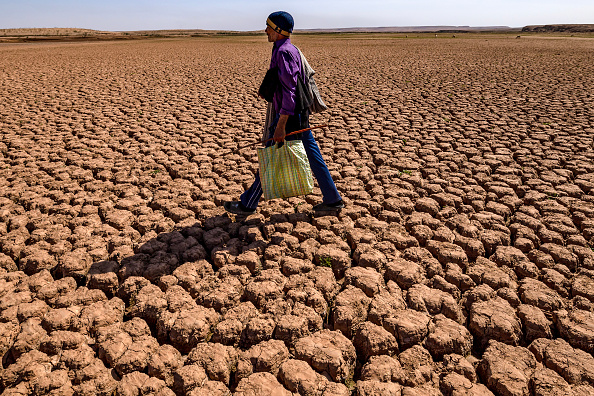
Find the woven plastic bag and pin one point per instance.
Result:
(285, 170)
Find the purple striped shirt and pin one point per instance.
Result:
(286, 57)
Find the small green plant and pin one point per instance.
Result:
(209, 335)
(404, 141)
(350, 383)
(326, 261)
(155, 171)
(132, 300)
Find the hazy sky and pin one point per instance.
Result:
(250, 15)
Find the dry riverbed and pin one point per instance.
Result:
(462, 264)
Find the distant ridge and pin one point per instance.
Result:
(569, 28)
(414, 29)
(79, 34)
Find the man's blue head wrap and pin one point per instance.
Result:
(281, 22)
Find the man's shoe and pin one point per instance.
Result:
(236, 207)
(325, 207)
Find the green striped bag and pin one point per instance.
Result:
(285, 171)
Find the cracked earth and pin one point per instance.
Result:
(462, 264)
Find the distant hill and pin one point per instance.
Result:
(53, 34)
(77, 34)
(414, 29)
(560, 28)
(48, 32)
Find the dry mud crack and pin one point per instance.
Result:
(462, 264)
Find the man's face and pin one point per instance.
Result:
(272, 35)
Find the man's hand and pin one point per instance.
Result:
(279, 132)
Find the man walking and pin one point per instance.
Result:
(286, 58)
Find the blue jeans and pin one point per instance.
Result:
(251, 196)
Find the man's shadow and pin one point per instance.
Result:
(218, 240)
(161, 255)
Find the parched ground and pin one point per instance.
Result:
(462, 264)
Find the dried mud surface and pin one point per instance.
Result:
(462, 264)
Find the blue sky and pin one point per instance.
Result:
(250, 15)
